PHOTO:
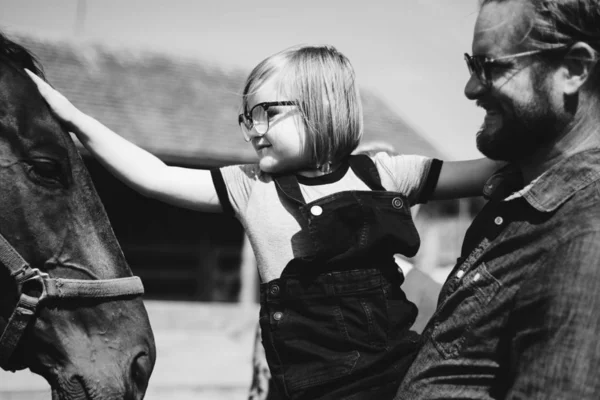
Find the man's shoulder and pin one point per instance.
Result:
(582, 210)
(574, 258)
(571, 234)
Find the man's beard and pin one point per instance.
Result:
(519, 136)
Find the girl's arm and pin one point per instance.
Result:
(464, 178)
(137, 168)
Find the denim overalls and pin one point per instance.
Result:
(336, 325)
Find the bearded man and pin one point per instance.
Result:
(519, 316)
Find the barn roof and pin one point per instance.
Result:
(183, 110)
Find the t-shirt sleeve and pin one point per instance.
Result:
(414, 176)
(234, 185)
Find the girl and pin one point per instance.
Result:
(323, 224)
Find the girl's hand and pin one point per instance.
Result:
(60, 105)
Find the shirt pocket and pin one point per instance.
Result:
(457, 317)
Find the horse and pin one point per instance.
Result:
(70, 307)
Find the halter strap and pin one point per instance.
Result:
(36, 286)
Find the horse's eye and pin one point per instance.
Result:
(49, 171)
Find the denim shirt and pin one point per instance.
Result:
(519, 315)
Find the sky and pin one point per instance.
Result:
(410, 52)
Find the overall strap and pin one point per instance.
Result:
(364, 167)
(288, 186)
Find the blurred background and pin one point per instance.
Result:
(168, 75)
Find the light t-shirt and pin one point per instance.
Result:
(273, 227)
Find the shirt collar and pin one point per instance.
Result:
(551, 189)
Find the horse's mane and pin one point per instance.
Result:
(19, 56)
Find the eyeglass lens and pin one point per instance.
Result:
(260, 119)
(476, 67)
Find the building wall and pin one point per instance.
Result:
(180, 254)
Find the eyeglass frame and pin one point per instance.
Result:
(485, 76)
(248, 116)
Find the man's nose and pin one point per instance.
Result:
(474, 88)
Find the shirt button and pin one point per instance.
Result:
(274, 290)
(498, 221)
(397, 203)
(277, 316)
(316, 210)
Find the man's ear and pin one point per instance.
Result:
(578, 64)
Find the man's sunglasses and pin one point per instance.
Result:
(258, 118)
(481, 66)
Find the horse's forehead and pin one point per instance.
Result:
(25, 117)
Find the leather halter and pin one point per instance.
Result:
(36, 286)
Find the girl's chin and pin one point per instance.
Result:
(270, 166)
(274, 165)
(275, 168)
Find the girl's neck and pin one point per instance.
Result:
(316, 172)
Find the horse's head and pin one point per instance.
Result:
(79, 320)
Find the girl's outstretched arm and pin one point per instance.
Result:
(137, 168)
(464, 178)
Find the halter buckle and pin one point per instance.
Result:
(34, 285)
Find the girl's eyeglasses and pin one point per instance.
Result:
(481, 66)
(258, 118)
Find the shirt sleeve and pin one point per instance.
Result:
(555, 352)
(234, 185)
(412, 175)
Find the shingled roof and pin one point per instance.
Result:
(183, 110)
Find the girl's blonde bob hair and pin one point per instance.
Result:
(322, 81)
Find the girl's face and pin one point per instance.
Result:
(283, 147)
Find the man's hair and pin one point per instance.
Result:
(321, 80)
(563, 22)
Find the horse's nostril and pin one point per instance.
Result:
(141, 368)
